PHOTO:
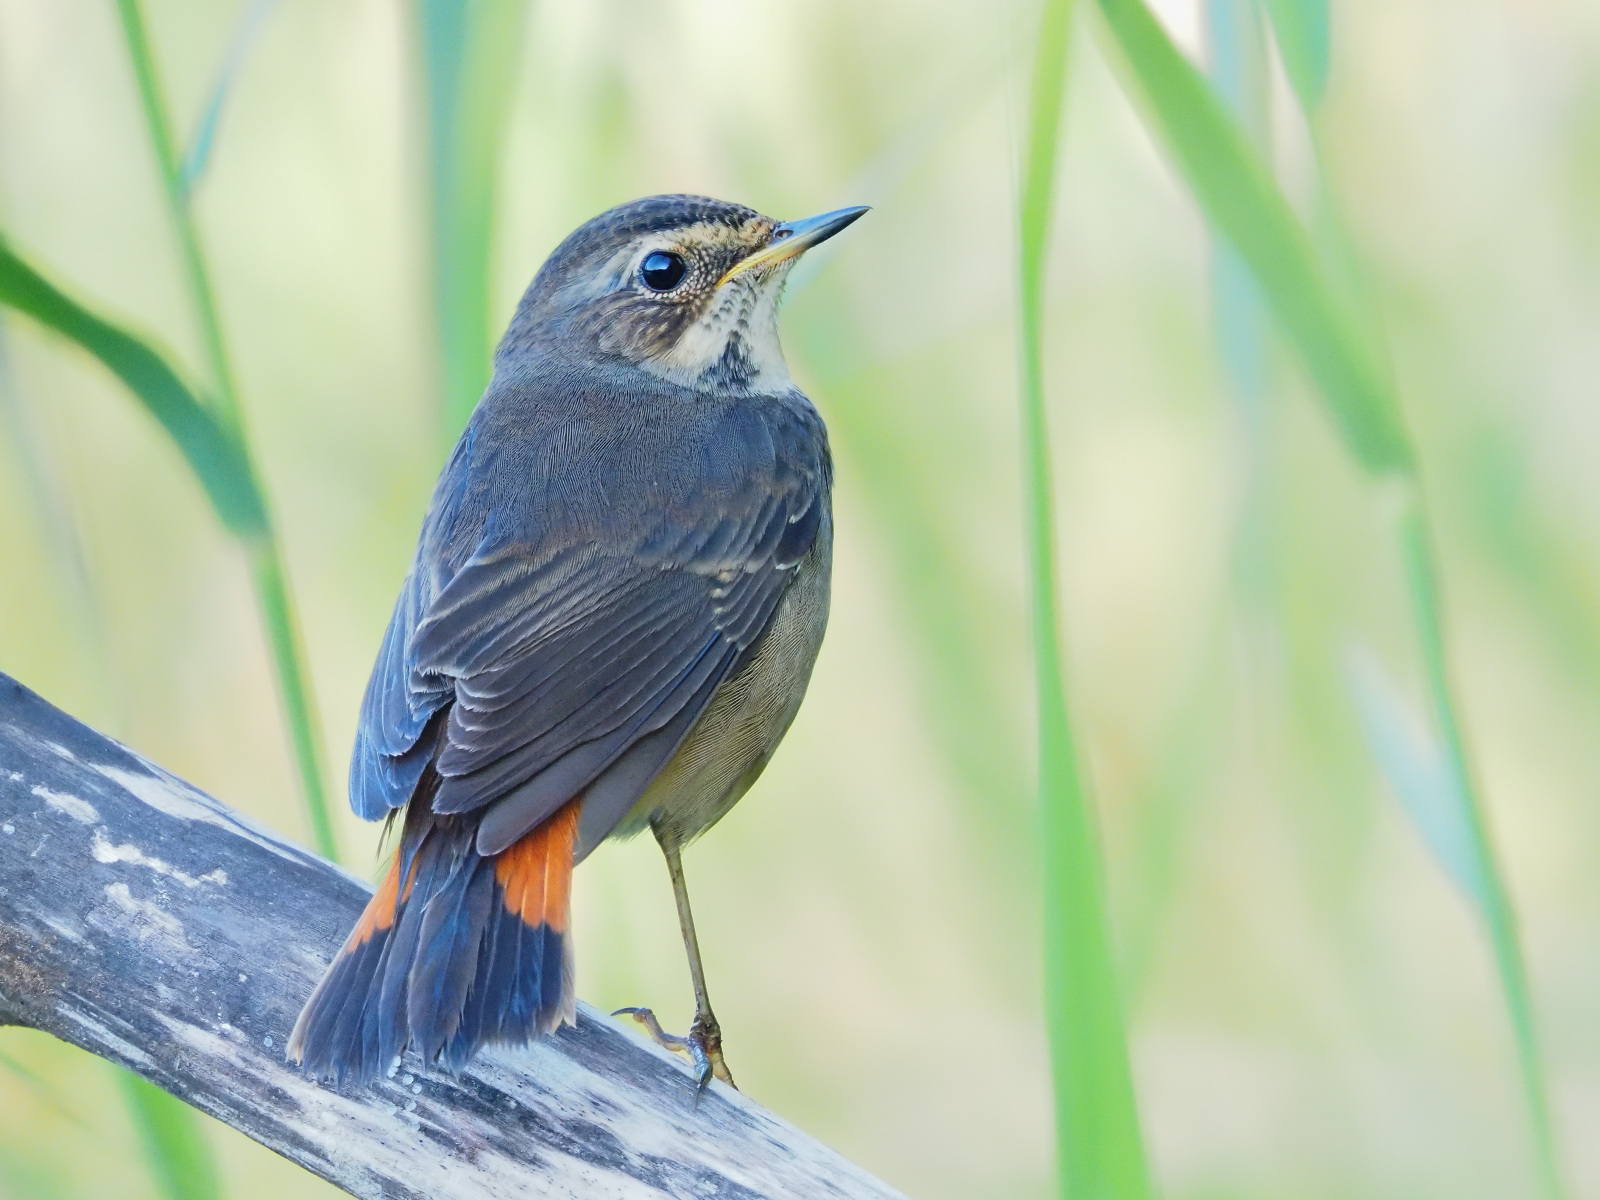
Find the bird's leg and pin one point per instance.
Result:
(704, 1043)
(705, 1032)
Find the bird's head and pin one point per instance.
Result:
(684, 287)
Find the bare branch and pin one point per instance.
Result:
(148, 923)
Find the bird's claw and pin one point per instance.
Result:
(693, 1045)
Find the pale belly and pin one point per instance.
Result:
(733, 740)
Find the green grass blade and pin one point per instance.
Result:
(284, 642)
(1240, 323)
(1416, 552)
(1243, 203)
(172, 180)
(1239, 68)
(267, 560)
(1414, 761)
(469, 59)
(1544, 555)
(211, 450)
(1301, 27)
(174, 1143)
(1099, 1148)
(198, 155)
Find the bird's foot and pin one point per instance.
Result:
(671, 1041)
(703, 1045)
(707, 1034)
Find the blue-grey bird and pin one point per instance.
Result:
(618, 594)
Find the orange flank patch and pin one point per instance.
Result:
(535, 873)
(384, 906)
(381, 909)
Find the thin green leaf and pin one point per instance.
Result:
(211, 451)
(1540, 551)
(175, 1145)
(1240, 322)
(1240, 199)
(1301, 27)
(1100, 1153)
(198, 156)
(165, 148)
(469, 59)
(1236, 41)
(1416, 554)
(1418, 770)
(267, 565)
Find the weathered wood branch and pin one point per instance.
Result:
(148, 923)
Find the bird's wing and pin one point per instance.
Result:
(394, 740)
(391, 749)
(556, 661)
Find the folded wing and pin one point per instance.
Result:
(579, 663)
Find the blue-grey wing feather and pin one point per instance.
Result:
(390, 752)
(576, 635)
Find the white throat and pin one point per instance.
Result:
(735, 341)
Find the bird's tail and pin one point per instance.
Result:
(468, 951)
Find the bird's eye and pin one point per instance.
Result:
(661, 271)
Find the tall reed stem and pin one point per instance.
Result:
(1099, 1149)
(1415, 538)
(267, 571)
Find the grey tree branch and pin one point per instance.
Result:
(148, 923)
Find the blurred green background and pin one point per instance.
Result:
(1313, 1007)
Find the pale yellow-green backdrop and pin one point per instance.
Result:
(1313, 1009)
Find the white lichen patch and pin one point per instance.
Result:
(721, 1137)
(58, 750)
(62, 928)
(142, 920)
(369, 1140)
(80, 811)
(104, 852)
(103, 1037)
(173, 797)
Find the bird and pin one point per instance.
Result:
(618, 594)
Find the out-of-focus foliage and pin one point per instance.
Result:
(207, 446)
(469, 54)
(1302, 31)
(265, 550)
(1099, 1151)
(1335, 343)
(1238, 195)
(1311, 1007)
(175, 1145)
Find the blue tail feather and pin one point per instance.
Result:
(455, 969)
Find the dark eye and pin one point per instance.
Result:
(662, 271)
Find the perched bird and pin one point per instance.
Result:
(618, 594)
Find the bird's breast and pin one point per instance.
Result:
(730, 745)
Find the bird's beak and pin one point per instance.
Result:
(794, 238)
